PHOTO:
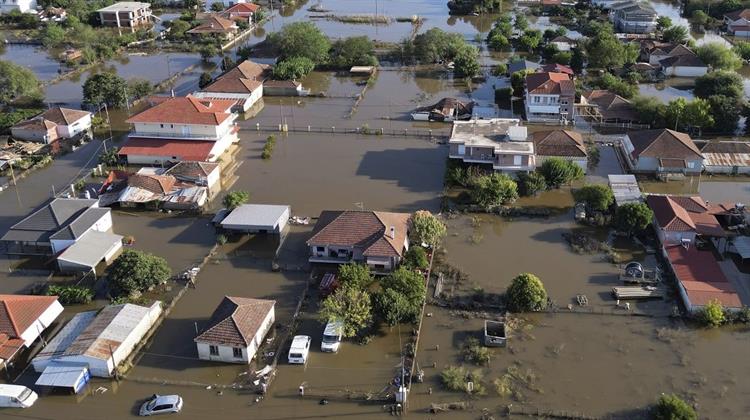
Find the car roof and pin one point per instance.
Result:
(300, 341)
(11, 390)
(167, 399)
(333, 328)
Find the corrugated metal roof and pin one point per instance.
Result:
(66, 336)
(625, 189)
(255, 215)
(726, 159)
(64, 375)
(90, 248)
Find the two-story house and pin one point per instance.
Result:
(550, 97)
(125, 14)
(243, 83)
(181, 128)
(498, 142)
(634, 17)
(661, 151)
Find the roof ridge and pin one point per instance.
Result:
(236, 324)
(11, 318)
(385, 232)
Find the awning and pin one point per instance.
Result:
(742, 246)
(71, 376)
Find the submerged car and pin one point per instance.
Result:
(161, 404)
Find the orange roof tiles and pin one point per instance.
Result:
(186, 110)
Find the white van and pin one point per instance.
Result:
(17, 396)
(300, 349)
(332, 335)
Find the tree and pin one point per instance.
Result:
(416, 258)
(426, 228)
(604, 50)
(177, 29)
(521, 22)
(53, 35)
(617, 85)
(699, 18)
(353, 51)
(742, 48)
(663, 22)
(217, 7)
(135, 271)
(17, 82)
(105, 88)
(497, 41)
(718, 56)
(302, 39)
(355, 275)
(558, 172)
(596, 196)
(293, 68)
(530, 183)
(518, 79)
(696, 113)
(577, 60)
(466, 61)
(530, 40)
(712, 314)
(672, 407)
(562, 57)
(526, 293)
(139, 88)
(725, 112)
(393, 307)
(724, 83)
(207, 52)
(205, 79)
(435, 45)
(650, 111)
(235, 199)
(676, 34)
(350, 306)
(403, 294)
(633, 217)
(493, 190)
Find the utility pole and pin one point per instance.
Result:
(15, 184)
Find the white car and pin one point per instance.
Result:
(332, 335)
(299, 349)
(161, 404)
(17, 396)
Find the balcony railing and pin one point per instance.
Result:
(176, 136)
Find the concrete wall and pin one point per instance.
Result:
(68, 131)
(39, 325)
(185, 130)
(714, 169)
(35, 135)
(250, 99)
(681, 71)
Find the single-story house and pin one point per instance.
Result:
(101, 342)
(518, 65)
(23, 318)
(214, 24)
(738, 22)
(557, 68)
(564, 144)
(563, 43)
(258, 218)
(284, 88)
(609, 107)
(678, 219)
(238, 11)
(726, 157)
(66, 376)
(53, 124)
(236, 330)
(445, 110)
(661, 151)
(56, 226)
(91, 250)
(685, 65)
(700, 278)
(232, 4)
(378, 239)
(206, 174)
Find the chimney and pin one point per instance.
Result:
(392, 232)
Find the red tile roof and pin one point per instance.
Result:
(611, 105)
(232, 85)
(559, 143)
(684, 214)
(557, 68)
(64, 116)
(19, 312)
(663, 144)
(186, 110)
(366, 230)
(738, 14)
(236, 321)
(701, 277)
(181, 149)
(242, 8)
(214, 24)
(550, 84)
(157, 184)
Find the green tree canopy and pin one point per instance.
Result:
(725, 112)
(577, 60)
(416, 258)
(135, 271)
(672, 407)
(663, 22)
(558, 172)
(235, 199)
(17, 82)
(531, 183)
(403, 294)
(53, 35)
(633, 217)
(521, 23)
(596, 196)
(604, 50)
(726, 83)
(466, 61)
(435, 45)
(349, 305)
(526, 293)
(493, 190)
(302, 39)
(718, 56)
(742, 48)
(676, 34)
(293, 68)
(426, 228)
(530, 40)
(353, 51)
(105, 88)
(617, 85)
(355, 275)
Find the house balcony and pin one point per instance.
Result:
(326, 259)
(544, 109)
(179, 136)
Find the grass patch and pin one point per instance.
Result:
(460, 379)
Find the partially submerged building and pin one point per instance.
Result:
(561, 144)
(23, 318)
(99, 342)
(499, 142)
(679, 219)
(125, 14)
(605, 106)
(445, 110)
(236, 330)
(726, 157)
(625, 189)
(52, 125)
(243, 84)
(662, 152)
(550, 97)
(258, 218)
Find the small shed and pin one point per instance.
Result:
(68, 376)
(258, 218)
(91, 249)
(625, 189)
(362, 70)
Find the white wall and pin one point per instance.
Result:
(226, 354)
(250, 99)
(681, 71)
(104, 224)
(44, 321)
(68, 131)
(226, 3)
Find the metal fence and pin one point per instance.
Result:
(364, 131)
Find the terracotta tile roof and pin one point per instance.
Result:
(9, 346)
(232, 85)
(236, 321)
(186, 110)
(251, 70)
(192, 169)
(157, 184)
(738, 14)
(366, 230)
(18, 312)
(64, 116)
(241, 8)
(36, 123)
(559, 143)
(612, 106)
(701, 277)
(550, 84)
(214, 23)
(683, 60)
(684, 214)
(557, 68)
(182, 149)
(663, 144)
(281, 83)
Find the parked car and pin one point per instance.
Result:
(16, 396)
(299, 349)
(161, 404)
(332, 335)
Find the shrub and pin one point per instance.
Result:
(493, 190)
(293, 68)
(456, 379)
(557, 172)
(416, 257)
(596, 196)
(712, 314)
(475, 352)
(526, 293)
(672, 407)
(235, 199)
(71, 295)
(531, 183)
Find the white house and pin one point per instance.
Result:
(243, 84)
(549, 97)
(661, 151)
(563, 43)
(23, 6)
(23, 318)
(54, 124)
(563, 144)
(499, 142)
(181, 128)
(101, 342)
(686, 65)
(125, 14)
(224, 3)
(236, 330)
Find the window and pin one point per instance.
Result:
(161, 125)
(517, 160)
(461, 149)
(320, 249)
(237, 352)
(213, 350)
(537, 99)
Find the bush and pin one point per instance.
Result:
(526, 293)
(557, 172)
(531, 183)
(672, 407)
(301, 39)
(293, 68)
(633, 217)
(268, 147)
(493, 190)
(71, 295)
(712, 314)
(475, 352)
(596, 196)
(136, 271)
(235, 199)
(355, 275)
(456, 378)
(426, 228)
(416, 258)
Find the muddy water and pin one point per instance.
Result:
(33, 58)
(668, 90)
